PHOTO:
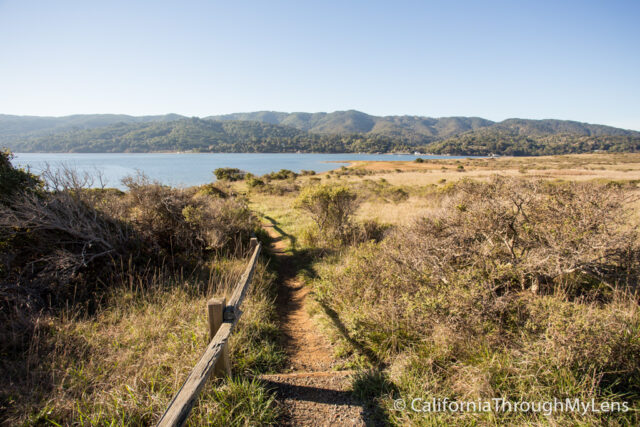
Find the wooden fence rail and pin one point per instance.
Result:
(222, 320)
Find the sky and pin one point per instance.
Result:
(573, 60)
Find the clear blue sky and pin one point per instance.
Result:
(577, 60)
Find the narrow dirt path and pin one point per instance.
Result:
(310, 393)
(306, 349)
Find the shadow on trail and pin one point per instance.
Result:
(289, 265)
(361, 348)
(280, 231)
(312, 394)
(368, 387)
(371, 412)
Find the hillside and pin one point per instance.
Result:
(21, 126)
(413, 129)
(538, 137)
(199, 135)
(340, 131)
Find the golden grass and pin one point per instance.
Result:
(522, 345)
(123, 364)
(394, 213)
(416, 177)
(571, 167)
(481, 372)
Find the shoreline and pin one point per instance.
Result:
(426, 156)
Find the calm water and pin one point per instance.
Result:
(192, 169)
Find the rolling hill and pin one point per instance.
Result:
(340, 131)
(22, 126)
(414, 129)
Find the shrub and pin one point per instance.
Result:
(181, 223)
(92, 279)
(277, 188)
(370, 229)
(70, 245)
(229, 174)
(522, 289)
(382, 190)
(281, 175)
(211, 190)
(254, 182)
(330, 207)
(419, 160)
(345, 171)
(14, 180)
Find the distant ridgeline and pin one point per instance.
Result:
(338, 132)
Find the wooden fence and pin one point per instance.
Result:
(222, 320)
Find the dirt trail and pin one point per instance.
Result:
(310, 393)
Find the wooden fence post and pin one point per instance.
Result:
(222, 320)
(215, 310)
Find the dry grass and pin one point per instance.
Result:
(103, 297)
(422, 180)
(575, 336)
(123, 364)
(520, 289)
(570, 167)
(280, 210)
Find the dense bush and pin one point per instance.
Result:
(381, 190)
(186, 222)
(97, 295)
(331, 208)
(278, 188)
(14, 180)
(68, 245)
(212, 190)
(281, 174)
(229, 174)
(253, 182)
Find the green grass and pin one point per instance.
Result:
(279, 211)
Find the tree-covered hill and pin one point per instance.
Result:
(414, 129)
(538, 137)
(21, 126)
(200, 135)
(346, 131)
